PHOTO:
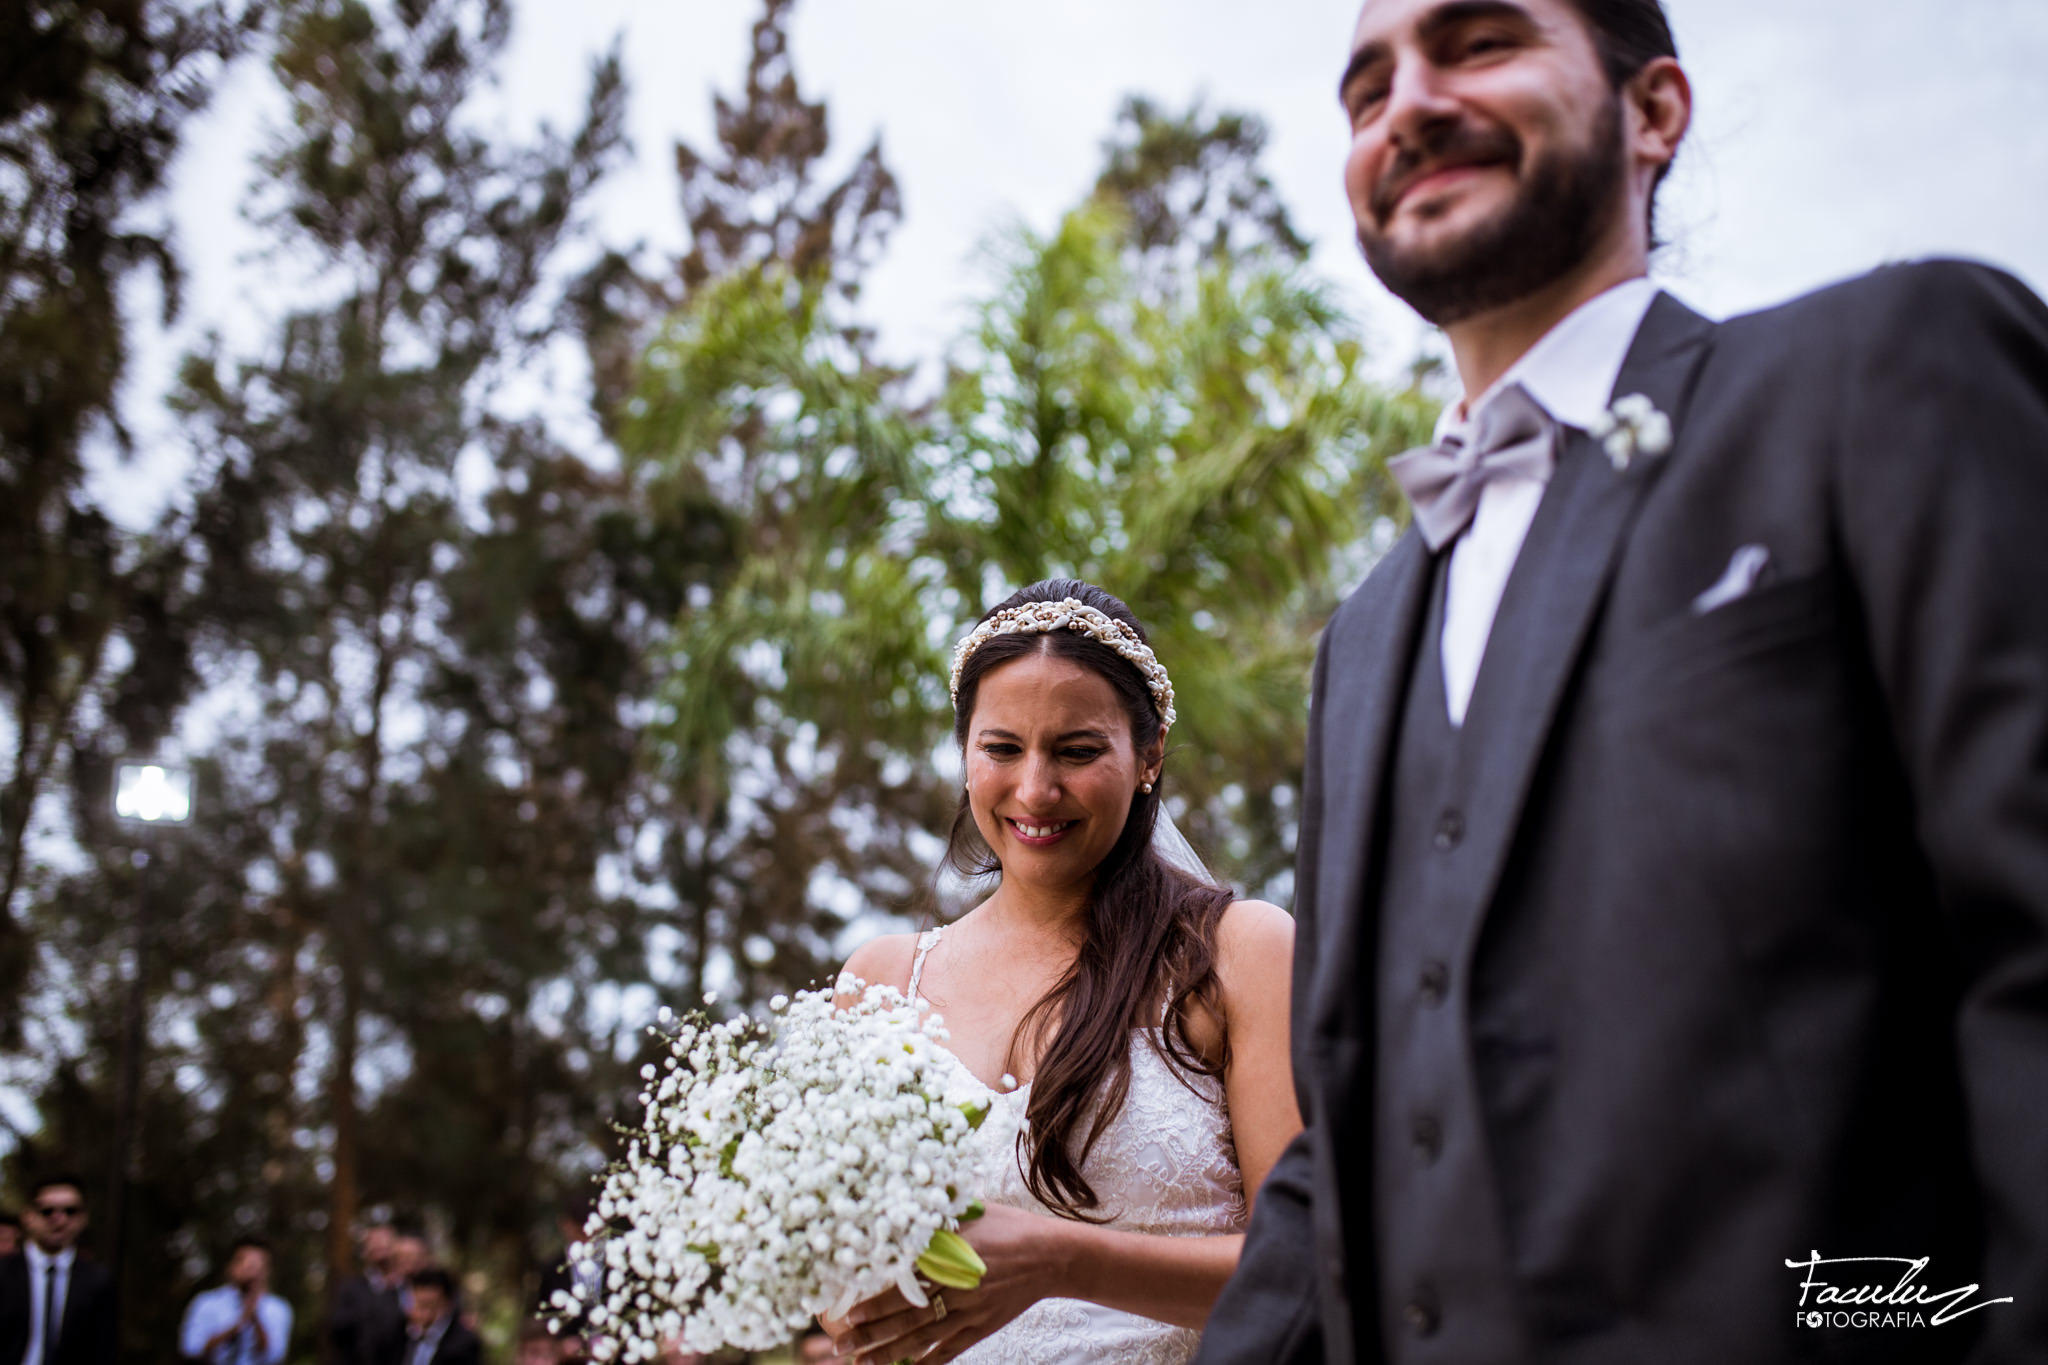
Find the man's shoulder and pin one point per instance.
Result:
(89, 1274)
(1920, 292)
(206, 1298)
(458, 1343)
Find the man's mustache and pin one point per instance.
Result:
(1442, 147)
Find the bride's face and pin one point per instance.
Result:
(1051, 769)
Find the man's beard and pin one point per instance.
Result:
(1564, 205)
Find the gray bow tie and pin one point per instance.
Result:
(1513, 435)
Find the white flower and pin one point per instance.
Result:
(784, 1168)
(1631, 427)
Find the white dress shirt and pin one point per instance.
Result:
(39, 1262)
(1570, 373)
(420, 1349)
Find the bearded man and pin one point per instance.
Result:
(1671, 969)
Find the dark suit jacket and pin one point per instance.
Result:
(366, 1326)
(1763, 968)
(458, 1346)
(89, 1335)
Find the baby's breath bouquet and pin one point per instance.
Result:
(787, 1167)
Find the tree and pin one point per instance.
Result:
(433, 760)
(1192, 429)
(1200, 438)
(1193, 188)
(760, 197)
(794, 703)
(93, 100)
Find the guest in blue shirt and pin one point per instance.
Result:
(241, 1322)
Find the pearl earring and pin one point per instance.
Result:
(1146, 788)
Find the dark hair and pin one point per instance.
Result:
(52, 1181)
(1629, 35)
(1149, 931)
(434, 1277)
(10, 1219)
(248, 1239)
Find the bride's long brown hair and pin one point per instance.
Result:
(1148, 935)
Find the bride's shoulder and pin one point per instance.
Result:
(884, 961)
(1255, 927)
(1254, 951)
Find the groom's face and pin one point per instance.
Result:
(1486, 153)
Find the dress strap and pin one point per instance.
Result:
(926, 941)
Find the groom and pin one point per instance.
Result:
(1673, 883)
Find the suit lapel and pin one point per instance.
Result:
(1367, 669)
(1546, 615)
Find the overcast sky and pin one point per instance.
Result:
(1829, 136)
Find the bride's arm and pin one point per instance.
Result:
(1172, 1279)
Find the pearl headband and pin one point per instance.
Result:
(1038, 618)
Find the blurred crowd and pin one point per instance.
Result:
(403, 1308)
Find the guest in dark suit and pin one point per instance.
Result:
(366, 1324)
(50, 1280)
(561, 1278)
(1673, 875)
(436, 1334)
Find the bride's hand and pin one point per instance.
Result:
(1024, 1253)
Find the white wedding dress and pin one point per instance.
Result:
(1165, 1165)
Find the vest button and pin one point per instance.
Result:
(1429, 1138)
(1422, 1312)
(1450, 831)
(1434, 982)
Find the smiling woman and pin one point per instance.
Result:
(1144, 1010)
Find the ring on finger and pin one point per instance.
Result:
(938, 1307)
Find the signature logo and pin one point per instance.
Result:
(1880, 1291)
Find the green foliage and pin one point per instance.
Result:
(1209, 452)
(93, 97)
(497, 745)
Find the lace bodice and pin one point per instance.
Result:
(1166, 1165)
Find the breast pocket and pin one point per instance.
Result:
(1697, 659)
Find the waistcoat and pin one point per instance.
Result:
(1444, 1291)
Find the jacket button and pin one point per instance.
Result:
(1450, 831)
(1434, 982)
(1422, 1312)
(1428, 1136)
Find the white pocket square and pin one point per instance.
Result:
(1744, 569)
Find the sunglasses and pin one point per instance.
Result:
(60, 1210)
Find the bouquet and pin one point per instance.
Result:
(786, 1168)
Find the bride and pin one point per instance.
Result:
(1128, 1017)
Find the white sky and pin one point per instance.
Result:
(1829, 136)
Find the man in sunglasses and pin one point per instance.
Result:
(56, 1307)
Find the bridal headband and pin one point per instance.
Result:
(1039, 618)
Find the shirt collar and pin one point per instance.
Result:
(38, 1258)
(1572, 369)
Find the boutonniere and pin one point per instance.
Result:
(1632, 427)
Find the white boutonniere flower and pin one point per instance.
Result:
(1632, 427)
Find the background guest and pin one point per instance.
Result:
(241, 1322)
(561, 1277)
(11, 1235)
(49, 1282)
(367, 1323)
(537, 1345)
(437, 1336)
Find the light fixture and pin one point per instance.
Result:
(153, 794)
